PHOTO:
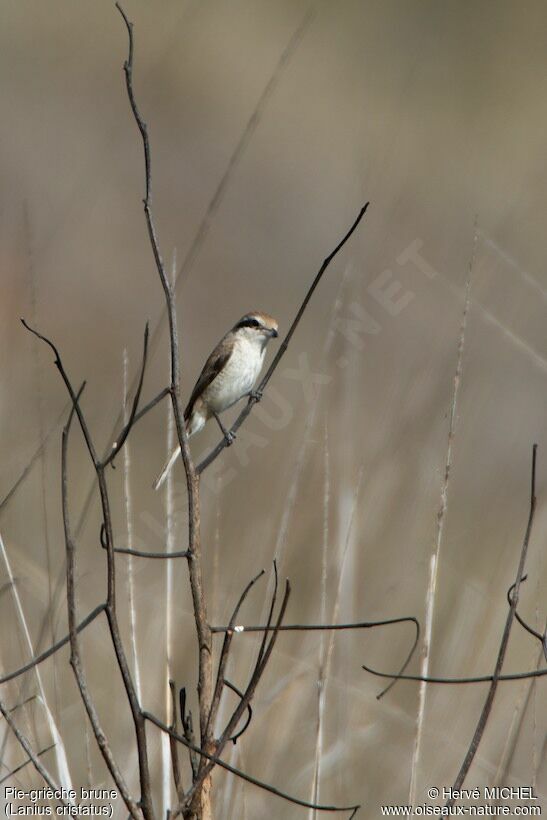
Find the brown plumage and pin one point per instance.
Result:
(228, 375)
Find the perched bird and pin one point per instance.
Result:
(229, 374)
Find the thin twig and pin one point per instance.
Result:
(52, 649)
(177, 778)
(144, 554)
(481, 725)
(188, 729)
(25, 744)
(534, 673)
(522, 622)
(282, 348)
(230, 728)
(262, 649)
(34, 457)
(245, 726)
(122, 438)
(23, 765)
(239, 629)
(151, 404)
(316, 627)
(225, 652)
(24, 702)
(247, 777)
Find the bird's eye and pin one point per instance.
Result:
(254, 323)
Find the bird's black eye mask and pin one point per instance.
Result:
(248, 322)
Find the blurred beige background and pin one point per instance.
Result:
(271, 123)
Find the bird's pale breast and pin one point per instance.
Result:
(237, 377)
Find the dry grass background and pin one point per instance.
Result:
(436, 113)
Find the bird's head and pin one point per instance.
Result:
(257, 326)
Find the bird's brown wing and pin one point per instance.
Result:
(212, 367)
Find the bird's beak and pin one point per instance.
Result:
(273, 333)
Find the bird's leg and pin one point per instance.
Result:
(255, 395)
(229, 437)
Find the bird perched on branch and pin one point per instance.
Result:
(229, 374)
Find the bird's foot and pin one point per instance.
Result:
(256, 395)
(229, 437)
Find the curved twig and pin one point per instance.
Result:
(404, 666)
(68, 384)
(522, 622)
(332, 627)
(245, 726)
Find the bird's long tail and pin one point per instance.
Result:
(194, 422)
(166, 467)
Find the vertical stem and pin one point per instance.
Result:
(129, 530)
(441, 517)
(201, 806)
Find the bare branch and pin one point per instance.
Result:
(24, 702)
(270, 614)
(541, 638)
(33, 756)
(481, 725)
(333, 627)
(68, 384)
(163, 555)
(110, 607)
(534, 673)
(247, 777)
(23, 765)
(282, 348)
(75, 656)
(35, 456)
(316, 627)
(47, 653)
(260, 665)
(225, 652)
(145, 554)
(205, 668)
(151, 404)
(245, 726)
